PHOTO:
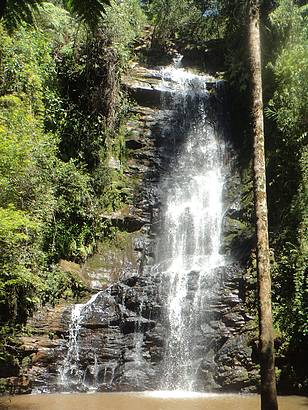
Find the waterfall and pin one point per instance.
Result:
(165, 325)
(189, 245)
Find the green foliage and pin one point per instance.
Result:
(183, 23)
(28, 170)
(19, 130)
(14, 227)
(288, 164)
(58, 25)
(24, 153)
(72, 231)
(61, 285)
(8, 341)
(14, 12)
(89, 11)
(235, 19)
(90, 79)
(18, 284)
(123, 24)
(288, 105)
(60, 108)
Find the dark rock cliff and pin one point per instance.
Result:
(122, 334)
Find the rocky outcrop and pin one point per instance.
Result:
(122, 336)
(122, 332)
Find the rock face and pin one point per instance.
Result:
(121, 339)
(117, 340)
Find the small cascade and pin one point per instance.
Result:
(93, 355)
(70, 372)
(108, 374)
(138, 344)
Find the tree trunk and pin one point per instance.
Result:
(266, 343)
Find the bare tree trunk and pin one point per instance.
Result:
(266, 343)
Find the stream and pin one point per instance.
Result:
(159, 400)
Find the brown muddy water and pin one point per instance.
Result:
(145, 401)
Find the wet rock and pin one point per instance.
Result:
(134, 323)
(103, 313)
(233, 319)
(123, 333)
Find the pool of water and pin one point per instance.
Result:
(146, 401)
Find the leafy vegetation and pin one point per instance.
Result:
(61, 108)
(285, 56)
(185, 23)
(15, 12)
(61, 139)
(287, 118)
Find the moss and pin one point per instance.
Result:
(113, 256)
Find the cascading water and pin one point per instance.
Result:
(70, 371)
(189, 246)
(157, 328)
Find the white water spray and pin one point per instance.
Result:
(192, 217)
(70, 372)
